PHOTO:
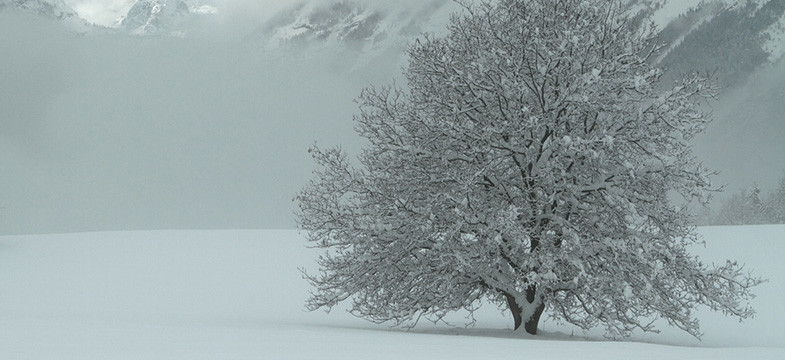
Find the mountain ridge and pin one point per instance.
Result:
(56, 9)
(148, 17)
(733, 37)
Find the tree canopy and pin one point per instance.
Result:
(530, 160)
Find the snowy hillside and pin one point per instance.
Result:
(351, 34)
(56, 9)
(355, 23)
(733, 37)
(238, 295)
(174, 17)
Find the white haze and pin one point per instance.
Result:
(746, 141)
(105, 12)
(109, 132)
(102, 12)
(116, 132)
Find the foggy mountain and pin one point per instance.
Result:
(198, 114)
(742, 42)
(56, 9)
(161, 16)
(733, 38)
(354, 24)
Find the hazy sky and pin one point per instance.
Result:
(673, 8)
(115, 132)
(105, 12)
(107, 133)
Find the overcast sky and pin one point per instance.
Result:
(112, 133)
(118, 133)
(105, 12)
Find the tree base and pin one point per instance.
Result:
(532, 323)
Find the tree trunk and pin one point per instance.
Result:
(532, 322)
(531, 325)
(515, 310)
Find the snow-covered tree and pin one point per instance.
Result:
(530, 160)
(748, 207)
(776, 202)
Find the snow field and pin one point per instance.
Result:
(238, 295)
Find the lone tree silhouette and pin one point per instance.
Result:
(530, 160)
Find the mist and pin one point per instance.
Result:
(112, 132)
(746, 141)
(105, 131)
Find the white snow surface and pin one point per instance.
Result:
(239, 295)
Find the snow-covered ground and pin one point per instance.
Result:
(239, 295)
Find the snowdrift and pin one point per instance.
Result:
(239, 295)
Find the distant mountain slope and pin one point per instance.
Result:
(174, 17)
(355, 24)
(56, 9)
(732, 37)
